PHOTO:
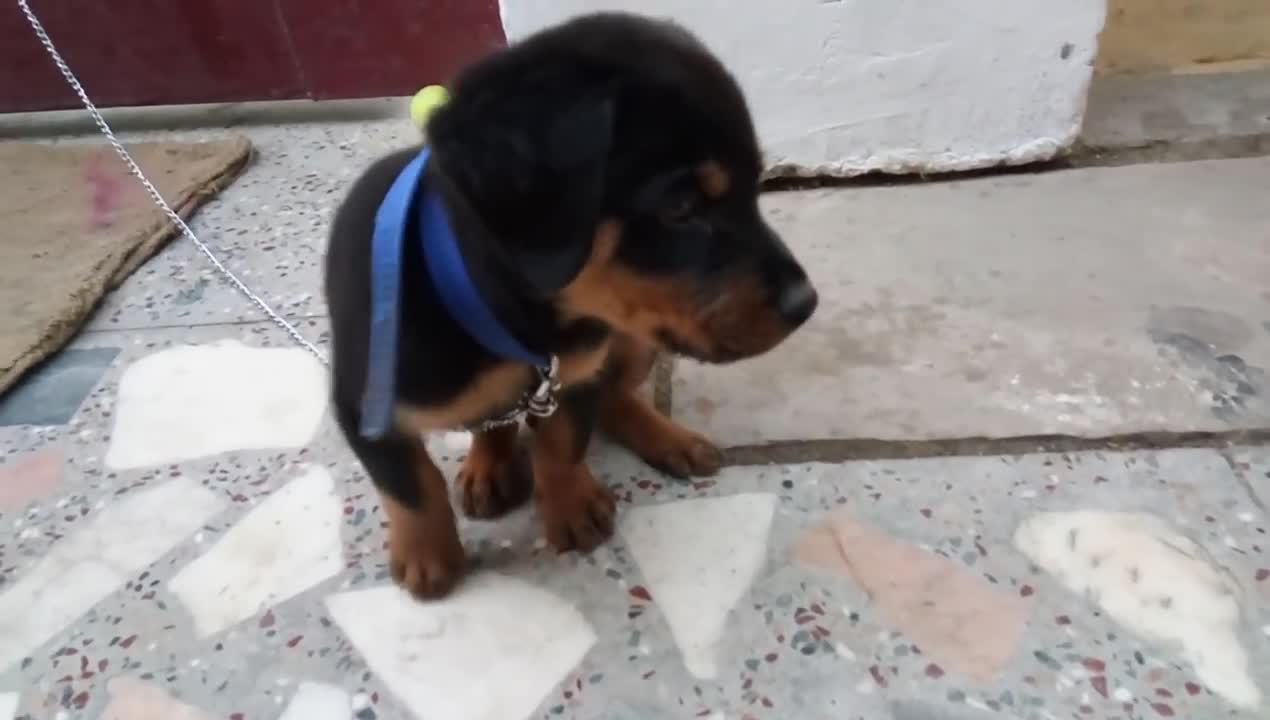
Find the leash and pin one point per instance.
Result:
(153, 192)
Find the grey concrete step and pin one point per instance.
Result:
(1133, 110)
(1088, 302)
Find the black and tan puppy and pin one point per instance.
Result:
(601, 182)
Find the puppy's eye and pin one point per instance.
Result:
(680, 210)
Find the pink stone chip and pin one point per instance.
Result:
(959, 620)
(135, 700)
(29, 477)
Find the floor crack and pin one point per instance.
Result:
(843, 450)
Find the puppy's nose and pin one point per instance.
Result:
(797, 302)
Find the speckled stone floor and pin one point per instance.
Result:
(177, 550)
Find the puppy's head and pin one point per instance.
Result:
(613, 163)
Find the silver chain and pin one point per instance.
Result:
(540, 402)
(153, 192)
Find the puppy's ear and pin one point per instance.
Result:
(535, 177)
(569, 210)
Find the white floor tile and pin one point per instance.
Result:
(1154, 581)
(286, 545)
(198, 400)
(86, 566)
(697, 577)
(316, 701)
(492, 651)
(8, 706)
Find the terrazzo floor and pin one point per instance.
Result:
(184, 536)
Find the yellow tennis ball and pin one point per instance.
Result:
(425, 102)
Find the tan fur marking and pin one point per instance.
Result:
(492, 479)
(630, 302)
(737, 321)
(492, 392)
(577, 512)
(628, 418)
(425, 554)
(582, 366)
(715, 180)
(741, 320)
(633, 359)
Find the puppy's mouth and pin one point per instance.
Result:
(716, 355)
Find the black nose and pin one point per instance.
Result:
(797, 302)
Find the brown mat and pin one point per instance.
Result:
(74, 224)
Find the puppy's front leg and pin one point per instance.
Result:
(629, 419)
(424, 551)
(576, 510)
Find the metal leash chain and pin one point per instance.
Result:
(102, 125)
(540, 402)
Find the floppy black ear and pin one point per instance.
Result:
(534, 174)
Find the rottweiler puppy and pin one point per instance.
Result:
(601, 181)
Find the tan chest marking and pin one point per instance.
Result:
(495, 391)
(582, 366)
(492, 392)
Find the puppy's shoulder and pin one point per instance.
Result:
(356, 213)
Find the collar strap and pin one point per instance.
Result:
(453, 285)
(457, 291)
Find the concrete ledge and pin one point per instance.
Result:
(185, 117)
(1138, 110)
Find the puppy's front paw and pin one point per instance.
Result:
(426, 561)
(578, 512)
(682, 454)
(656, 439)
(490, 486)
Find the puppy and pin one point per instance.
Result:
(600, 183)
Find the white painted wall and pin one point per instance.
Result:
(848, 86)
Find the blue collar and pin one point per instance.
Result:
(449, 276)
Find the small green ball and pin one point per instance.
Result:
(425, 102)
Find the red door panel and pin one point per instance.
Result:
(145, 52)
(371, 48)
(140, 52)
